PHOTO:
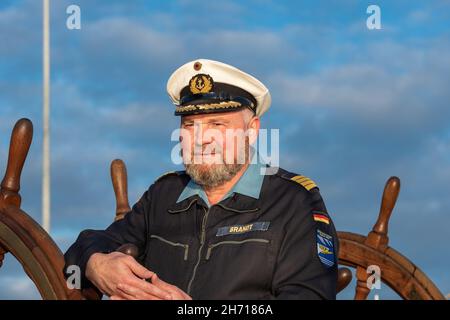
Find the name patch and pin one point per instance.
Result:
(243, 228)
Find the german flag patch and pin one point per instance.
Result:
(320, 217)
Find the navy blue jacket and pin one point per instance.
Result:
(282, 245)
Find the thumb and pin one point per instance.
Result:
(176, 292)
(140, 270)
(160, 283)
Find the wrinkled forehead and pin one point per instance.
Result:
(231, 117)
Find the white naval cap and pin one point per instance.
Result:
(205, 86)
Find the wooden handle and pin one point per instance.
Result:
(344, 278)
(21, 138)
(120, 185)
(378, 238)
(390, 195)
(129, 249)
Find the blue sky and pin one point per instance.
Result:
(353, 106)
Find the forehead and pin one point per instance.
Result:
(206, 117)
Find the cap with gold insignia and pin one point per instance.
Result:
(206, 86)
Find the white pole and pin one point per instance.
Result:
(46, 113)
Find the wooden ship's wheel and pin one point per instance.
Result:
(43, 261)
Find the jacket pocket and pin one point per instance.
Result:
(175, 244)
(232, 242)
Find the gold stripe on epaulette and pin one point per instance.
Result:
(306, 182)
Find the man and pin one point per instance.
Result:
(229, 227)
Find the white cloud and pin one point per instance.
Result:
(398, 84)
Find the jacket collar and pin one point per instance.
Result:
(243, 196)
(237, 203)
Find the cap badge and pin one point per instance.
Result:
(201, 83)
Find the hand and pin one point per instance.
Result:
(119, 275)
(129, 292)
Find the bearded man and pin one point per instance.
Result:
(229, 226)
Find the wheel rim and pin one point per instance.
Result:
(398, 272)
(38, 254)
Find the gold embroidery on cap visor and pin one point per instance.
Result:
(220, 105)
(201, 83)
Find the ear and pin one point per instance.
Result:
(253, 129)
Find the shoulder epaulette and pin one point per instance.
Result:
(305, 182)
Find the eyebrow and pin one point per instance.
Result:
(218, 120)
(208, 121)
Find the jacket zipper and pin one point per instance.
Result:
(202, 243)
(176, 244)
(212, 246)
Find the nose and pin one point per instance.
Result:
(200, 136)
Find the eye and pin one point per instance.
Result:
(217, 124)
(188, 124)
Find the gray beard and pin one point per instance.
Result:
(213, 175)
(210, 176)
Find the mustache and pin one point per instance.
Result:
(198, 151)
